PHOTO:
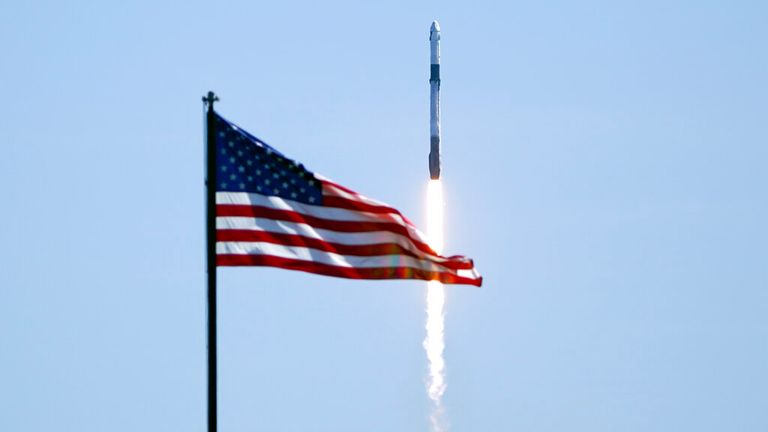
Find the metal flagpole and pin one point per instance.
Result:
(210, 224)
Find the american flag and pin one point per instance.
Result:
(272, 211)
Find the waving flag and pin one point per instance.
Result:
(272, 211)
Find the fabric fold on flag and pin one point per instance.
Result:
(272, 211)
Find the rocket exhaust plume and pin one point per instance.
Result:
(434, 343)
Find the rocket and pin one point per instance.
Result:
(434, 102)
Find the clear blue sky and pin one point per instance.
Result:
(605, 165)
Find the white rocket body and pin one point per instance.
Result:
(434, 102)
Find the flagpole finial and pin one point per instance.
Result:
(210, 98)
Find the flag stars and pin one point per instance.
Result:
(249, 165)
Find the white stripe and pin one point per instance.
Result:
(468, 273)
(329, 189)
(345, 238)
(278, 203)
(276, 226)
(314, 255)
(245, 198)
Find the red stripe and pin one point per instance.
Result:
(345, 272)
(377, 249)
(345, 203)
(329, 224)
(350, 204)
(338, 186)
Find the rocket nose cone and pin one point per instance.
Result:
(434, 31)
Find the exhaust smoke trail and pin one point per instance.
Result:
(434, 343)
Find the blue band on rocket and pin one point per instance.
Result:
(434, 72)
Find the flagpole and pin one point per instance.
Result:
(210, 224)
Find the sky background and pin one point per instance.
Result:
(604, 163)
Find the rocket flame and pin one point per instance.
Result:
(435, 215)
(434, 344)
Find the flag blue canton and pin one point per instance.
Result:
(244, 163)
